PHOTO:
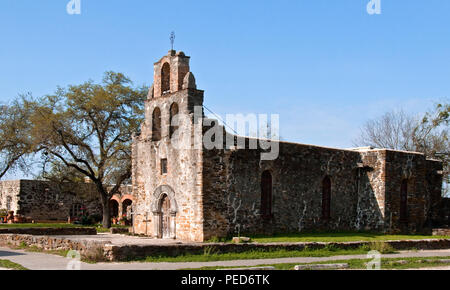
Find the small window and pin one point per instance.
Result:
(8, 203)
(163, 166)
(76, 210)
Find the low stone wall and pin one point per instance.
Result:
(441, 232)
(105, 251)
(88, 249)
(133, 252)
(119, 230)
(50, 231)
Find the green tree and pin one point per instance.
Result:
(15, 141)
(431, 136)
(87, 130)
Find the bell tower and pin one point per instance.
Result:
(166, 163)
(169, 73)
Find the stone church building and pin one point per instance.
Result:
(192, 193)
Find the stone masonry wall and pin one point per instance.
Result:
(232, 196)
(365, 190)
(183, 180)
(411, 167)
(45, 201)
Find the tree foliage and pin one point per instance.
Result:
(86, 131)
(15, 141)
(400, 131)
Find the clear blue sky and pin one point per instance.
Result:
(324, 66)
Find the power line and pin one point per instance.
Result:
(218, 117)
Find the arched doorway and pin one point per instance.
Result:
(126, 211)
(113, 208)
(165, 218)
(164, 208)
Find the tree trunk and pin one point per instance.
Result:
(106, 223)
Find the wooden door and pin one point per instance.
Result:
(165, 216)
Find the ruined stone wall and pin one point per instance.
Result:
(183, 181)
(412, 167)
(41, 200)
(371, 190)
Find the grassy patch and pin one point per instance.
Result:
(35, 249)
(99, 228)
(7, 264)
(212, 254)
(337, 237)
(360, 264)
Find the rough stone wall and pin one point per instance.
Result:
(45, 201)
(232, 195)
(365, 190)
(411, 167)
(184, 165)
(371, 189)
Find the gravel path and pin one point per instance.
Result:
(41, 261)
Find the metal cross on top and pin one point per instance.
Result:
(172, 38)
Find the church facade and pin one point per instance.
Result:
(192, 192)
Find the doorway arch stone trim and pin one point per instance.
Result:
(157, 196)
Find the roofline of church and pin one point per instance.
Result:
(334, 148)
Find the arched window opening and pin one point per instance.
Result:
(266, 195)
(156, 124)
(404, 201)
(326, 198)
(114, 208)
(173, 119)
(127, 211)
(165, 78)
